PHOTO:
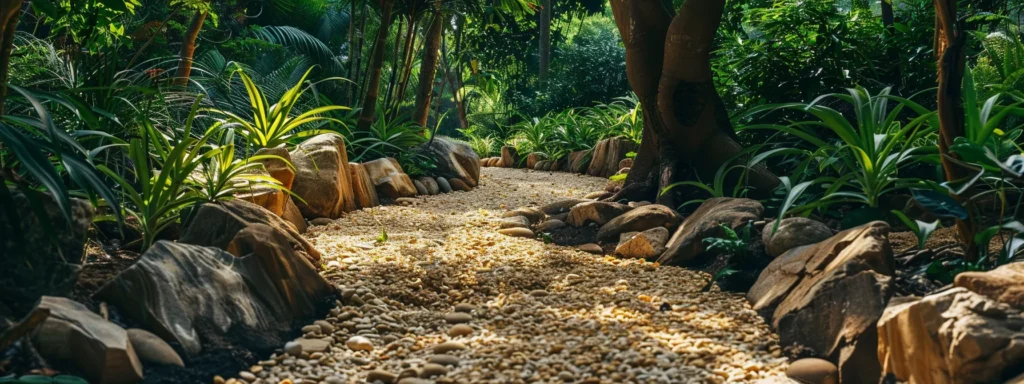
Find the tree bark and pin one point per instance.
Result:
(668, 64)
(950, 39)
(889, 22)
(9, 12)
(428, 67)
(403, 80)
(188, 49)
(397, 62)
(544, 49)
(373, 83)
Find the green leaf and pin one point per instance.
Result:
(939, 204)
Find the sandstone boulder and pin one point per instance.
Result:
(688, 241)
(189, 294)
(509, 157)
(533, 158)
(599, 212)
(430, 184)
(99, 348)
(640, 219)
(151, 348)
(35, 259)
(578, 161)
(455, 159)
(362, 187)
(828, 297)
(293, 216)
(955, 336)
(607, 154)
(322, 177)
(217, 224)
(278, 164)
(1004, 284)
(641, 245)
(793, 232)
(389, 179)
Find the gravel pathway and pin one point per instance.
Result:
(446, 299)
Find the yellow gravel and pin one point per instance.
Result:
(543, 313)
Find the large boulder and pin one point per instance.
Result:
(607, 154)
(1004, 284)
(294, 217)
(278, 164)
(688, 241)
(362, 186)
(39, 256)
(641, 245)
(509, 157)
(828, 297)
(955, 336)
(191, 294)
(598, 212)
(101, 349)
(793, 232)
(578, 161)
(217, 224)
(322, 177)
(389, 178)
(640, 219)
(455, 159)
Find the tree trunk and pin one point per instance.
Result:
(889, 22)
(9, 10)
(370, 102)
(403, 80)
(350, 95)
(188, 49)
(544, 50)
(395, 64)
(428, 67)
(950, 39)
(668, 63)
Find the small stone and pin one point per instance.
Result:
(566, 376)
(460, 330)
(444, 360)
(335, 380)
(321, 221)
(314, 329)
(465, 307)
(218, 380)
(449, 346)
(247, 376)
(293, 348)
(517, 232)
(433, 370)
(591, 248)
(359, 343)
(414, 380)
(381, 376)
(458, 318)
(514, 222)
(813, 371)
(325, 327)
(550, 225)
(539, 293)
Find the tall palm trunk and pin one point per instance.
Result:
(394, 66)
(403, 78)
(544, 52)
(188, 49)
(9, 10)
(377, 61)
(428, 67)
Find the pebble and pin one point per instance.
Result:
(414, 380)
(381, 376)
(359, 343)
(460, 330)
(449, 346)
(591, 248)
(247, 376)
(465, 308)
(433, 370)
(311, 329)
(517, 232)
(444, 360)
(458, 318)
(539, 293)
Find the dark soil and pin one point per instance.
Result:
(573, 236)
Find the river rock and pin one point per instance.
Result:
(514, 222)
(459, 185)
(640, 219)
(688, 240)
(389, 179)
(607, 154)
(533, 158)
(509, 157)
(829, 296)
(793, 232)
(955, 336)
(53, 254)
(151, 348)
(322, 177)
(454, 159)
(460, 330)
(542, 165)
(517, 232)
(561, 206)
(533, 214)
(420, 188)
(442, 183)
(362, 186)
(217, 224)
(99, 348)
(430, 184)
(187, 293)
(813, 371)
(1004, 284)
(599, 212)
(591, 248)
(359, 343)
(641, 245)
(550, 225)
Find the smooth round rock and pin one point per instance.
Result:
(152, 349)
(460, 330)
(433, 370)
(293, 348)
(449, 346)
(539, 293)
(813, 371)
(442, 183)
(414, 380)
(359, 343)
(381, 376)
(591, 248)
(458, 318)
(793, 232)
(517, 232)
(465, 307)
(444, 360)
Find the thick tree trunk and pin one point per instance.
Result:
(9, 12)
(668, 63)
(544, 50)
(428, 68)
(377, 61)
(949, 48)
(188, 49)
